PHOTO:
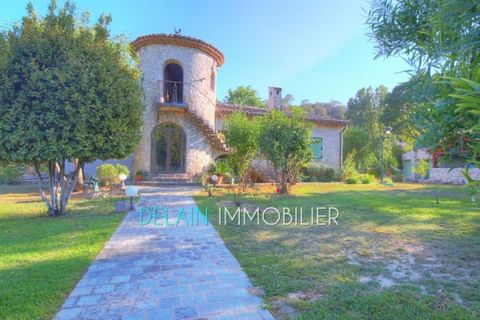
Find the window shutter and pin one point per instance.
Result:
(317, 148)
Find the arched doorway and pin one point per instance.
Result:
(168, 149)
(173, 83)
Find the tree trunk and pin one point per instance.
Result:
(80, 177)
(284, 184)
(60, 186)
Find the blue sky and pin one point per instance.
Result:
(314, 49)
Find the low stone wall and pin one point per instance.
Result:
(453, 176)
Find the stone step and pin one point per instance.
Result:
(166, 182)
(168, 177)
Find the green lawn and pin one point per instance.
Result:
(42, 258)
(395, 254)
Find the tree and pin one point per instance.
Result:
(439, 38)
(357, 140)
(365, 108)
(365, 111)
(242, 137)
(430, 34)
(245, 96)
(285, 141)
(66, 92)
(399, 111)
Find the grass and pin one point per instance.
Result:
(395, 254)
(42, 258)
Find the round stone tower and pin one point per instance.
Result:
(179, 81)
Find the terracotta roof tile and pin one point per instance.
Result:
(179, 40)
(225, 109)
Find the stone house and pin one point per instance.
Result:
(182, 118)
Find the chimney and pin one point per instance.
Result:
(274, 98)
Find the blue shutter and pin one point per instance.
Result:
(317, 148)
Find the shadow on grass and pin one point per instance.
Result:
(375, 227)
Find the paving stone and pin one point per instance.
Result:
(185, 312)
(209, 309)
(88, 300)
(105, 288)
(68, 313)
(81, 291)
(169, 302)
(119, 279)
(153, 272)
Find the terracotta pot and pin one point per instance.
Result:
(138, 178)
(219, 181)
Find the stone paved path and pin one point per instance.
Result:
(154, 272)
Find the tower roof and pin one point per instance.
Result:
(179, 40)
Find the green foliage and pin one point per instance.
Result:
(139, 173)
(366, 178)
(466, 93)
(356, 139)
(10, 173)
(333, 109)
(422, 168)
(399, 111)
(221, 167)
(316, 173)
(122, 169)
(245, 96)
(242, 137)
(350, 173)
(367, 135)
(427, 33)
(108, 174)
(352, 180)
(441, 44)
(66, 92)
(285, 142)
(398, 176)
(365, 108)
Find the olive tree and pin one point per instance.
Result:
(285, 141)
(67, 92)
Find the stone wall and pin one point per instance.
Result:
(453, 176)
(332, 145)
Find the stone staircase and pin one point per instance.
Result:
(213, 137)
(167, 179)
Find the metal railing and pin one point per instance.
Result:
(173, 92)
(179, 92)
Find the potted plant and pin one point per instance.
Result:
(139, 175)
(222, 170)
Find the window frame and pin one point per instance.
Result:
(317, 141)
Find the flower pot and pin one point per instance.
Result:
(138, 178)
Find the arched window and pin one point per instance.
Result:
(173, 83)
(212, 81)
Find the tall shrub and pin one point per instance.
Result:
(242, 137)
